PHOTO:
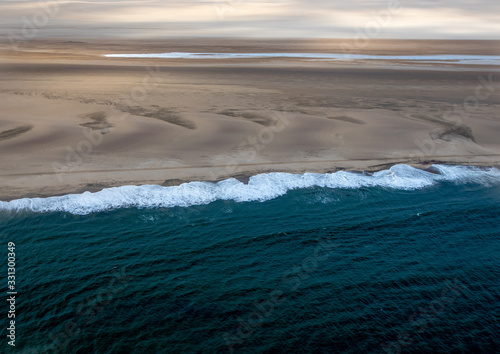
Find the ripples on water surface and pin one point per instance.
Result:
(318, 269)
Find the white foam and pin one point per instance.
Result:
(259, 188)
(458, 59)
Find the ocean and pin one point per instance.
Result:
(400, 261)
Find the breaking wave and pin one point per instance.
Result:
(261, 187)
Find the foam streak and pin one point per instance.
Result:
(261, 187)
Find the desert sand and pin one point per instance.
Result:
(72, 120)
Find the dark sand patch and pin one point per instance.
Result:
(251, 116)
(450, 131)
(12, 133)
(98, 121)
(162, 114)
(453, 132)
(172, 182)
(347, 119)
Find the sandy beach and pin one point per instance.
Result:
(73, 120)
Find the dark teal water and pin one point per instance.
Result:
(318, 270)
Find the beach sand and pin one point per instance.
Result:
(72, 120)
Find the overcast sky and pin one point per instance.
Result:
(457, 19)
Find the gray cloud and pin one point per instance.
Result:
(479, 19)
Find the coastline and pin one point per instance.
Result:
(7, 195)
(73, 120)
(258, 188)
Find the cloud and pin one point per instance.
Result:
(478, 19)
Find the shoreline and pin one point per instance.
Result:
(73, 120)
(6, 196)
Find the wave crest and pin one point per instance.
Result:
(261, 187)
